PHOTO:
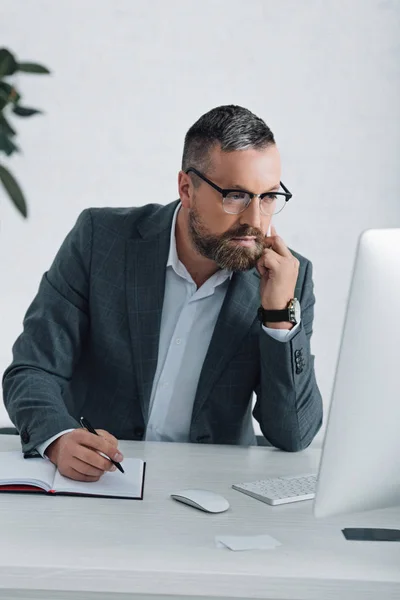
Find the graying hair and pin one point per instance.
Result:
(231, 126)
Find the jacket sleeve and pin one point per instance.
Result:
(289, 404)
(46, 352)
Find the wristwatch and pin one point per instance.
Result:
(291, 314)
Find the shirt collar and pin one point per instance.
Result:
(179, 268)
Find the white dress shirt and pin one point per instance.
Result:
(188, 319)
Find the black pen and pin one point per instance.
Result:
(86, 425)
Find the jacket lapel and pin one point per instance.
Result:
(237, 315)
(146, 259)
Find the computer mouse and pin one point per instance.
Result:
(202, 499)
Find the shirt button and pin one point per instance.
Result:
(178, 341)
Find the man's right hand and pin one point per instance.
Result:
(76, 454)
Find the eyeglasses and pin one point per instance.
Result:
(236, 201)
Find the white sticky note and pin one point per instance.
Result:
(246, 542)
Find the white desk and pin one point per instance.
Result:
(82, 548)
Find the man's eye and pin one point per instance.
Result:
(236, 196)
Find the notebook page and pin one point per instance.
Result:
(128, 484)
(15, 469)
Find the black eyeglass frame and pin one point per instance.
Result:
(227, 191)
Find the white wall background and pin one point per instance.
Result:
(131, 76)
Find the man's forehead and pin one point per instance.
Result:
(261, 166)
(246, 179)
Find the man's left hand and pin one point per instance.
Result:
(278, 269)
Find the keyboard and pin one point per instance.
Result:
(280, 490)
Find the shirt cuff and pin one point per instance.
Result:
(42, 447)
(281, 335)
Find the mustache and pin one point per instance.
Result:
(245, 231)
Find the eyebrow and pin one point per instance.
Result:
(236, 186)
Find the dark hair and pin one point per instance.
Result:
(231, 126)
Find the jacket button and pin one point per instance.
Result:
(25, 437)
(139, 432)
(297, 353)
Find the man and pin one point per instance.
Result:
(148, 321)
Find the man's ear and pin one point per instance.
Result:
(185, 188)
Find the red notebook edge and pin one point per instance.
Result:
(24, 489)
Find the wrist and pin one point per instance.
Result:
(268, 305)
(280, 318)
(52, 451)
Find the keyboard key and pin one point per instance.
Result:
(280, 490)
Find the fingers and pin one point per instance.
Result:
(263, 271)
(77, 454)
(108, 436)
(92, 458)
(276, 243)
(276, 257)
(71, 466)
(99, 443)
(76, 474)
(86, 470)
(269, 259)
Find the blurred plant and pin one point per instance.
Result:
(10, 102)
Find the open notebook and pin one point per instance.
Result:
(18, 474)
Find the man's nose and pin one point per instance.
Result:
(252, 215)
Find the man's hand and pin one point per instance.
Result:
(278, 269)
(76, 454)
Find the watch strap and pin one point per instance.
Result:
(273, 316)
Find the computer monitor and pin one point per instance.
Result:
(360, 464)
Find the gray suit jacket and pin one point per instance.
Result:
(90, 344)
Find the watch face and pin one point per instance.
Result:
(295, 311)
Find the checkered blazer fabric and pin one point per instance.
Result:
(90, 337)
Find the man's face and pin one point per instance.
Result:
(233, 242)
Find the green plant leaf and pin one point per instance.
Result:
(5, 127)
(13, 190)
(6, 88)
(7, 145)
(8, 93)
(27, 67)
(22, 111)
(5, 93)
(8, 64)
(3, 100)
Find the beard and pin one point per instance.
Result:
(221, 249)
